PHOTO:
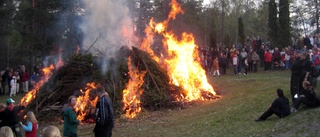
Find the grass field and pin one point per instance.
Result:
(244, 98)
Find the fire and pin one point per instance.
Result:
(47, 73)
(133, 91)
(183, 61)
(85, 102)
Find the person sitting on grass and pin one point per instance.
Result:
(280, 107)
(307, 97)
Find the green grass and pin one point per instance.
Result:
(243, 98)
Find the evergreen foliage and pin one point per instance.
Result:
(284, 24)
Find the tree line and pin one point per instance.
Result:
(32, 30)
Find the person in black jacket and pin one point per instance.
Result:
(307, 97)
(300, 71)
(280, 107)
(104, 114)
(11, 116)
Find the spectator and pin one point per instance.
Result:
(51, 131)
(280, 107)
(267, 60)
(6, 131)
(245, 65)
(13, 85)
(32, 125)
(300, 71)
(307, 97)
(25, 80)
(255, 61)
(235, 64)
(2, 115)
(11, 116)
(216, 67)
(104, 115)
(70, 118)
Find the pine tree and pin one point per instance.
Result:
(284, 24)
(241, 31)
(272, 23)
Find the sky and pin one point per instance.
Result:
(206, 2)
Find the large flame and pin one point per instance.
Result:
(47, 73)
(183, 62)
(133, 91)
(85, 101)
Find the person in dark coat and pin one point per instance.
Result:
(280, 107)
(12, 118)
(307, 97)
(104, 114)
(300, 71)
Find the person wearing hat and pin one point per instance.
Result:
(307, 97)
(280, 107)
(11, 116)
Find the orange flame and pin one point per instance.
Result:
(47, 73)
(85, 102)
(183, 61)
(133, 91)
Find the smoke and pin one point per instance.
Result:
(108, 22)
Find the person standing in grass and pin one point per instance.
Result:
(280, 107)
(71, 123)
(300, 72)
(235, 64)
(104, 114)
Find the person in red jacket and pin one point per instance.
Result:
(267, 60)
(32, 125)
(24, 79)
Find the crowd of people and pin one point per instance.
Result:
(303, 83)
(19, 80)
(252, 55)
(10, 124)
(303, 63)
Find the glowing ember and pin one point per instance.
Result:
(183, 61)
(133, 91)
(85, 102)
(47, 73)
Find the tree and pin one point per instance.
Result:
(242, 37)
(273, 23)
(284, 24)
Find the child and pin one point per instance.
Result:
(216, 67)
(31, 129)
(245, 63)
(235, 64)
(13, 85)
(51, 131)
(282, 66)
(276, 65)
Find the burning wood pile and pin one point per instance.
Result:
(136, 78)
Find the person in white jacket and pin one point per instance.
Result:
(13, 84)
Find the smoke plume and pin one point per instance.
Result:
(108, 22)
